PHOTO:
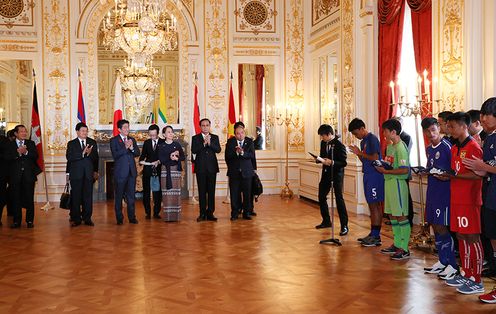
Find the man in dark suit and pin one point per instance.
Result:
(21, 154)
(151, 166)
(82, 161)
(333, 155)
(205, 146)
(240, 160)
(124, 149)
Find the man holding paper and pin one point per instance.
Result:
(333, 159)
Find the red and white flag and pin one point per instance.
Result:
(36, 130)
(117, 105)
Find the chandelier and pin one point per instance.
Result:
(139, 83)
(140, 28)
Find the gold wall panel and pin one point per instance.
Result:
(347, 70)
(322, 9)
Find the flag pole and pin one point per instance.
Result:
(227, 200)
(193, 175)
(47, 205)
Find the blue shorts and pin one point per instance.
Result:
(373, 186)
(437, 214)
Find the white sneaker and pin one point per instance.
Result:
(448, 273)
(437, 268)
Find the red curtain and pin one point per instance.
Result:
(422, 39)
(240, 91)
(391, 16)
(259, 77)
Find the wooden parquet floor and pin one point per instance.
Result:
(272, 264)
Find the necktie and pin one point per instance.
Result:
(154, 144)
(240, 144)
(82, 145)
(21, 142)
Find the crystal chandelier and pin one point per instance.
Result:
(140, 28)
(139, 83)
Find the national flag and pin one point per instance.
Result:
(196, 115)
(117, 105)
(36, 130)
(162, 105)
(81, 112)
(231, 113)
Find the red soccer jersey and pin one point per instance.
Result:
(463, 191)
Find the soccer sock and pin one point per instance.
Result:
(465, 258)
(439, 246)
(396, 233)
(405, 230)
(376, 231)
(448, 248)
(476, 260)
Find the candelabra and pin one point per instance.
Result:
(421, 107)
(288, 119)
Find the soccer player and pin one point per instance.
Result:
(438, 200)
(465, 203)
(373, 181)
(487, 167)
(396, 190)
(442, 119)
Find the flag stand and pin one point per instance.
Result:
(47, 206)
(193, 198)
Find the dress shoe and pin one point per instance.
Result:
(75, 223)
(15, 225)
(133, 221)
(211, 218)
(253, 213)
(246, 217)
(344, 231)
(157, 216)
(201, 218)
(89, 223)
(120, 222)
(323, 225)
(30, 225)
(148, 216)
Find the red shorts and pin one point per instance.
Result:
(465, 219)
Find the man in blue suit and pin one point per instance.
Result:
(124, 149)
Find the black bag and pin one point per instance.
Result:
(256, 186)
(65, 198)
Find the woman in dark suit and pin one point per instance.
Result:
(171, 155)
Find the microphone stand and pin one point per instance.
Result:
(332, 240)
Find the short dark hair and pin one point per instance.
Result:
(428, 122)
(10, 133)
(356, 124)
(392, 125)
(204, 119)
(167, 127)
(17, 127)
(444, 115)
(121, 122)
(239, 124)
(460, 117)
(489, 107)
(325, 129)
(474, 115)
(154, 127)
(81, 125)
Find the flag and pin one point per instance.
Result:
(231, 113)
(196, 115)
(36, 130)
(117, 104)
(162, 106)
(81, 112)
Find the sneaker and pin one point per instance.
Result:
(435, 269)
(371, 241)
(489, 297)
(400, 255)
(389, 250)
(448, 273)
(471, 287)
(361, 239)
(456, 281)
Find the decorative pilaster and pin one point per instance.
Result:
(347, 69)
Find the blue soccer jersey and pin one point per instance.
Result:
(489, 154)
(438, 192)
(373, 180)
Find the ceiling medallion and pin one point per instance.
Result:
(11, 8)
(255, 13)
